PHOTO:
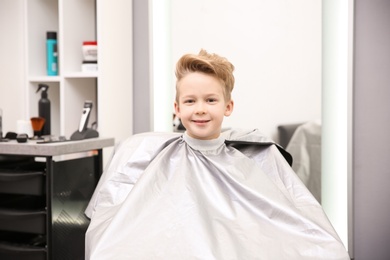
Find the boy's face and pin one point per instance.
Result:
(201, 105)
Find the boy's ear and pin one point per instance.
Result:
(177, 109)
(229, 108)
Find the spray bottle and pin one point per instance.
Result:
(44, 108)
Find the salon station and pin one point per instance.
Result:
(81, 78)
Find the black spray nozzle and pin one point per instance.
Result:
(44, 89)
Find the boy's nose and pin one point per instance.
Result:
(200, 108)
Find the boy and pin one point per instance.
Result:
(203, 94)
(205, 194)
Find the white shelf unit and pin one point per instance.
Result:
(75, 22)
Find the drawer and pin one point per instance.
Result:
(23, 221)
(22, 214)
(22, 246)
(22, 182)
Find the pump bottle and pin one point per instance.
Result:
(44, 108)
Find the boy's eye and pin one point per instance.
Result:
(188, 101)
(212, 100)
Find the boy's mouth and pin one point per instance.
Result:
(200, 121)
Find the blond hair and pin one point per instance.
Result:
(210, 64)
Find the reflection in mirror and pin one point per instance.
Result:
(305, 147)
(276, 47)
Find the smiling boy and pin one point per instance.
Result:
(203, 93)
(203, 194)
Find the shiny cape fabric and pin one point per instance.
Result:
(168, 196)
(305, 147)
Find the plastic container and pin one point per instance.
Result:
(24, 127)
(51, 54)
(90, 51)
(89, 66)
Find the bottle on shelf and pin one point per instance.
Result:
(51, 54)
(44, 108)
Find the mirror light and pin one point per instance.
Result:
(336, 130)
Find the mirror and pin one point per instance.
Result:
(276, 47)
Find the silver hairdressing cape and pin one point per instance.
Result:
(168, 196)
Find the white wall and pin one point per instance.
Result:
(275, 47)
(115, 37)
(12, 94)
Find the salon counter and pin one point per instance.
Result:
(44, 191)
(32, 147)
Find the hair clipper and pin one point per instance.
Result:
(85, 115)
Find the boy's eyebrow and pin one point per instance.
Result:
(212, 95)
(187, 96)
(205, 95)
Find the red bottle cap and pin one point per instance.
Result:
(90, 43)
